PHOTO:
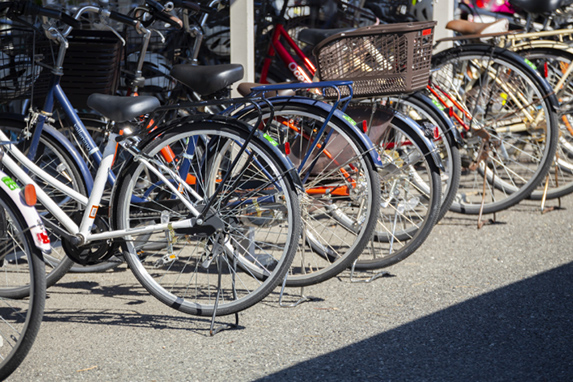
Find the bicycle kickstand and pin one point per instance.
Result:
(371, 278)
(546, 188)
(301, 299)
(214, 330)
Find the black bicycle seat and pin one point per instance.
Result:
(537, 6)
(207, 80)
(313, 36)
(122, 109)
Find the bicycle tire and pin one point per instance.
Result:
(22, 268)
(410, 193)
(244, 219)
(519, 162)
(336, 228)
(560, 175)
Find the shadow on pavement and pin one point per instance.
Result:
(521, 332)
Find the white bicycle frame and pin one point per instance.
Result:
(82, 232)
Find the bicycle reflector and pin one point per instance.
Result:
(29, 195)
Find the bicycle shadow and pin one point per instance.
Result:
(519, 332)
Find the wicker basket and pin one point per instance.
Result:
(381, 59)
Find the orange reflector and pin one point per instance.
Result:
(287, 148)
(192, 180)
(29, 192)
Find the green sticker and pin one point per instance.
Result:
(270, 139)
(349, 119)
(531, 64)
(438, 105)
(10, 183)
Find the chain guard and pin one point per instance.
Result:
(94, 252)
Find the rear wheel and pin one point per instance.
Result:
(410, 188)
(508, 111)
(339, 207)
(553, 63)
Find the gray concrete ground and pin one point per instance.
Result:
(488, 305)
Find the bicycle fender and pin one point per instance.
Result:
(454, 133)
(342, 117)
(408, 124)
(33, 220)
(65, 142)
(291, 172)
(516, 59)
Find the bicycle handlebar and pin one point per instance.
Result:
(29, 9)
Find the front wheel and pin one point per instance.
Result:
(21, 268)
(253, 221)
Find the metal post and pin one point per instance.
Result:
(243, 37)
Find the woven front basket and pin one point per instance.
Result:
(381, 59)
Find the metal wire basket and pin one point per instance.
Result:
(24, 54)
(381, 60)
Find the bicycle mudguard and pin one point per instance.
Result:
(454, 133)
(33, 220)
(231, 122)
(406, 123)
(516, 59)
(65, 142)
(343, 118)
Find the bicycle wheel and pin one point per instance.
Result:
(410, 189)
(21, 267)
(552, 64)
(257, 215)
(513, 132)
(54, 159)
(339, 207)
(430, 117)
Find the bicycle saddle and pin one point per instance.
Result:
(122, 109)
(313, 36)
(465, 27)
(244, 89)
(537, 6)
(207, 80)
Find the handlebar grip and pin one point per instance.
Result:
(70, 20)
(124, 19)
(172, 20)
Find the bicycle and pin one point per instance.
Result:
(23, 239)
(197, 227)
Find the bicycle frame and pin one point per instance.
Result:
(83, 230)
(277, 47)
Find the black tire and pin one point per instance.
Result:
(561, 172)
(336, 228)
(22, 268)
(259, 212)
(410, 192)
(502, 91)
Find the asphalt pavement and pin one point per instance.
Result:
(493, 304)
